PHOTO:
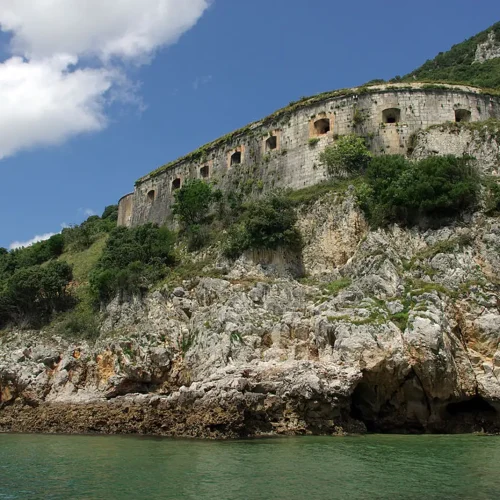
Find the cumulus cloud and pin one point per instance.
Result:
(36, 239)
(66, 62)
(42, 103)
(122, 28)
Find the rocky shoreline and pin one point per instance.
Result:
(393, 331)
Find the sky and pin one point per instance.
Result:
(95, 94)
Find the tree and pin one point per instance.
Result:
(111, 213)
(131, 260)
(399, 190)
(32, 294)
(266, 224)
(192, 202)
(347, 155)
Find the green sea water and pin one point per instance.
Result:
(366, 467)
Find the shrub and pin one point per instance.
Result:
(132, 260)
(399, 190)
(82, 322)
(268, 223)
(236, 242)
(192, 202)
(198, 237)
(110, 213)
(492, 187)
(81, 237)
(348, 154)
(39, 252)
(32, 294)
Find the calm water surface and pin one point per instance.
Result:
(369, 467)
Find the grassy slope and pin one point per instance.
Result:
(85, 260)
(456, 65)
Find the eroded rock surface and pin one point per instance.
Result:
(401, 335)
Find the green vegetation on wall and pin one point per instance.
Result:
(347, 155)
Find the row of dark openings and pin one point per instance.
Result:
(177, 183)
(393, 115)
(321, 127)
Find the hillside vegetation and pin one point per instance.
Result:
(67, 279)
(458, 65)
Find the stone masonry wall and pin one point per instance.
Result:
(285, 154)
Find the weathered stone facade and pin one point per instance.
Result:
(282, 151)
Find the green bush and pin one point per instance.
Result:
(348, 154)
(81, 237)
(268, 223)
(198, 237)
(132, 260)
(236, 242)
(38, 253)
(32, 294)
(492, 188)
(110, 213)
(398, 190)
(82, 322)
(192, 202)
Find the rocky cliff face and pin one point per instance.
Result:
(479, 140)
(393, 330)
(490, 49)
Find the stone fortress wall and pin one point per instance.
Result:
(282, 150)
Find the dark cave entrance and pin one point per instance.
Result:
(475, 405)
(205, 172)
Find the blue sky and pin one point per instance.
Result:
(147, 101)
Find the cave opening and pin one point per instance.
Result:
(364, 404)
(476, 404)
(205, 172)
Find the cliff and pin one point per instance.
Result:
(380, 321)
(394, 329)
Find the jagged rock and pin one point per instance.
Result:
(411, 343)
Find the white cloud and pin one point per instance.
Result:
(88, 212)
(106, 28)
(42, 103)
(36, 239)
(63, 69)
